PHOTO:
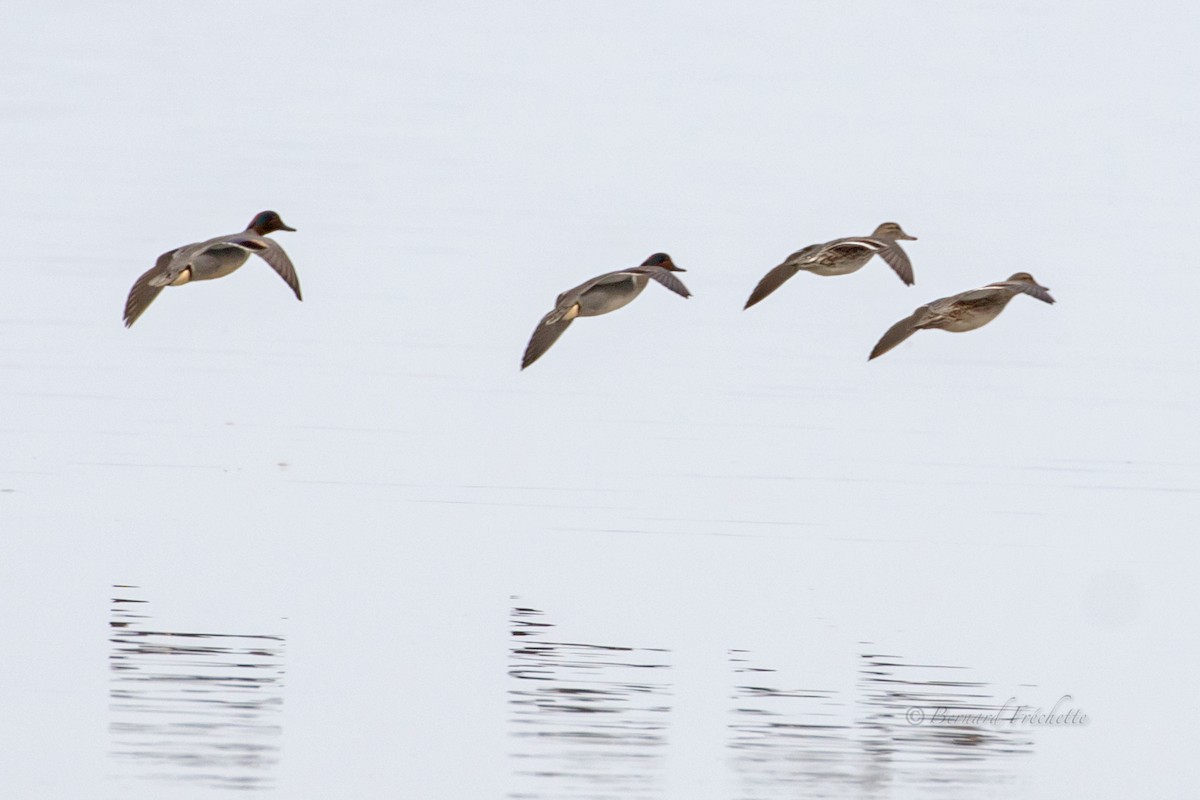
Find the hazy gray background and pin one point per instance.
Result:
(369, 475)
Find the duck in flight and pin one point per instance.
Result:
(211, 259)
(841, 257)
(962, 312)
(600, 295)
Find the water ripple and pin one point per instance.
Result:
(197, 708)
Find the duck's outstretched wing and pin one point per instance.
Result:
(897, 259)
(545, 334)
(571, 296)
(898, 333)
(143, 293)
(664, 276)
(772, 281)
(853, 245)
(886, 249)
(270, 251)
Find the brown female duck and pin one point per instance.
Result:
(841, 257)
(962, 312)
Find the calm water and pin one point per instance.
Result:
(345, 548)
(195, 707)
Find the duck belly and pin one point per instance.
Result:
(970, 322)
(610, 296)
(840, 266)
(217, 264)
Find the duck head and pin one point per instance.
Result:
(1024, 282)
(892, 230)
(267, 221)
(662, 260)
(1024, 277)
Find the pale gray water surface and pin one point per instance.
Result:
(189, 706)
(368, 477)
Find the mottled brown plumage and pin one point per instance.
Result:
(840, 257)
(962, 312)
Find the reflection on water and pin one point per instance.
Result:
(787, 741)
(194, 707)
(589, 720)
(792, 742)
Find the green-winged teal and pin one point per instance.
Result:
(601, 295)
(214, 258)
(841, 257)
(963, 312)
